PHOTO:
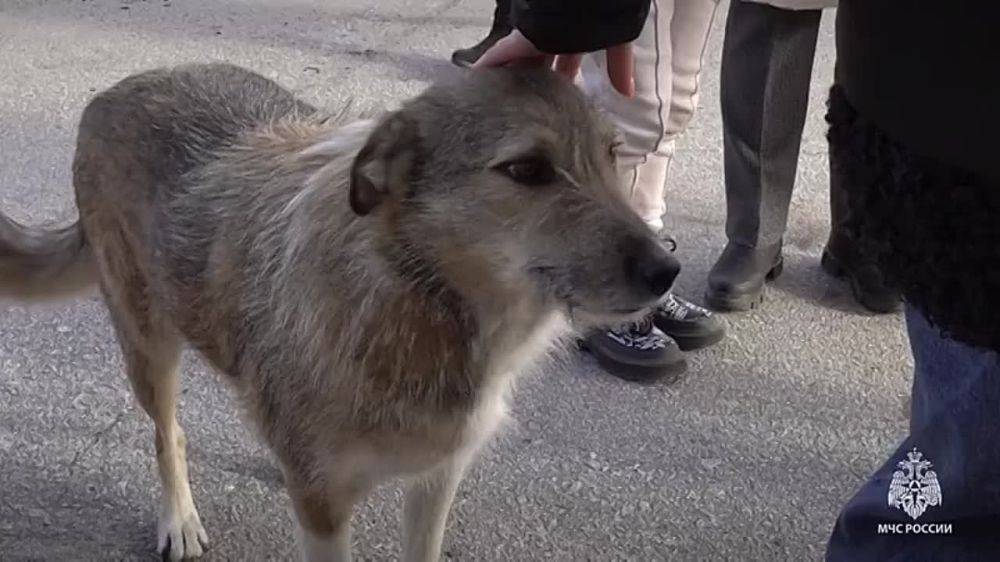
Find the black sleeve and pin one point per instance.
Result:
(579, 26)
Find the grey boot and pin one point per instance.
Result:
(736, 281)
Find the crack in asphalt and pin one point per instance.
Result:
(96, 438)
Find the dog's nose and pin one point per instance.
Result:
(650, 266)
(659, 274)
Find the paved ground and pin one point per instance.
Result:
(747, 459)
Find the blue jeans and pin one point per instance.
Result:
(955, 425)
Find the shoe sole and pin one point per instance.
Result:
(461, 63)
(833, 267)
(664, 374)
(694, 343)
(743, 303)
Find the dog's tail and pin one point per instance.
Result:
(40, 264)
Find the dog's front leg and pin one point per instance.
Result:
(317, 546)
(425, 510)
(323, 517)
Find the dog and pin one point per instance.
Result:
(370, 288)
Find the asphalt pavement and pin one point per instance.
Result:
(747, 458)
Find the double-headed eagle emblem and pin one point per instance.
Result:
(915, 486)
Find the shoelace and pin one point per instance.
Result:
(642, 327)
(678, 310)
(639, 335)
(673, 308)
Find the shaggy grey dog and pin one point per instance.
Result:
(369, 289)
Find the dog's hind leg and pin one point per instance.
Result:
(152, 371)
(154, 376)
(425, 510)
(151, 349)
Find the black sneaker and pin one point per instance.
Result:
(501, 28)
(637, 352)
(690, 325)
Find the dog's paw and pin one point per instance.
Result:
(181, 536)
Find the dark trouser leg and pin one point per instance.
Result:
(767, 62)
(766, 68)
(953, 426)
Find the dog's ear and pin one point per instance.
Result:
(382, 168)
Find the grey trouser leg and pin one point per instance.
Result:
(766, 67)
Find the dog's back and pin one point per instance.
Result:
(142, 149)
(136, 141)
(170, 120)
(139, 139)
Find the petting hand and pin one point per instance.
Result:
(516, 49)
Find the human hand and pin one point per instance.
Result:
(516, 49)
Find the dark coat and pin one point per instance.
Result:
(927, 73)
(578, 26)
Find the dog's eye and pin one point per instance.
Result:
(529, 171)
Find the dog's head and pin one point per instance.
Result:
(504, 181)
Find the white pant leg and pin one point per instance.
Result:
(668, 59)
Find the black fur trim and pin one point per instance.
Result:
(934, 228)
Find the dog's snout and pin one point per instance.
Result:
(651, 267)
(658, 273)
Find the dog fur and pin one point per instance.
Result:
(370, 289)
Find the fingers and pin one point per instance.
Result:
(621, 68)
(568, 65)
(515, 48)
(512, 49)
